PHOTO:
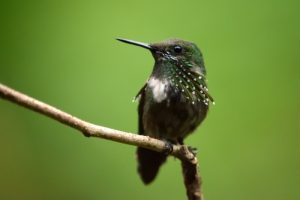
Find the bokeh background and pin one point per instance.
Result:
(65, 53)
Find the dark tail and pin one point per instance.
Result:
(149, 163)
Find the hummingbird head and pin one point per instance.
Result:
(174, 51)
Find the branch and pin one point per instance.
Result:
(189, 161)
(192, 181)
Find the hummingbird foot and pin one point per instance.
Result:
(168, 147)
(193, 150)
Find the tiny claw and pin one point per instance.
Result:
(193, 150)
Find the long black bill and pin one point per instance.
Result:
(140, 44)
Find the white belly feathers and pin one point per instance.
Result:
(159, 89)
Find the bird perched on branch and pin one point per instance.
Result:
(173, 102)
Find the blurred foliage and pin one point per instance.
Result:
(64, 53)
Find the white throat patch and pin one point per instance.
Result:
(158, 88)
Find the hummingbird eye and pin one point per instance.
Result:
(178, 49)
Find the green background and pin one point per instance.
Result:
(64, 53)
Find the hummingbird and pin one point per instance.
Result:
(174, 100)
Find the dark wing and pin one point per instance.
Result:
(141, 97)
(149, 161)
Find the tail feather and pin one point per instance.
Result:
(149, 163)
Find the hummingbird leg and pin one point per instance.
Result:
(180, 140)
(168, 147)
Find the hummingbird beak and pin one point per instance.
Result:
(140, 44)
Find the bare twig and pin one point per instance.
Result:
(192, 181)
(189, 161)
